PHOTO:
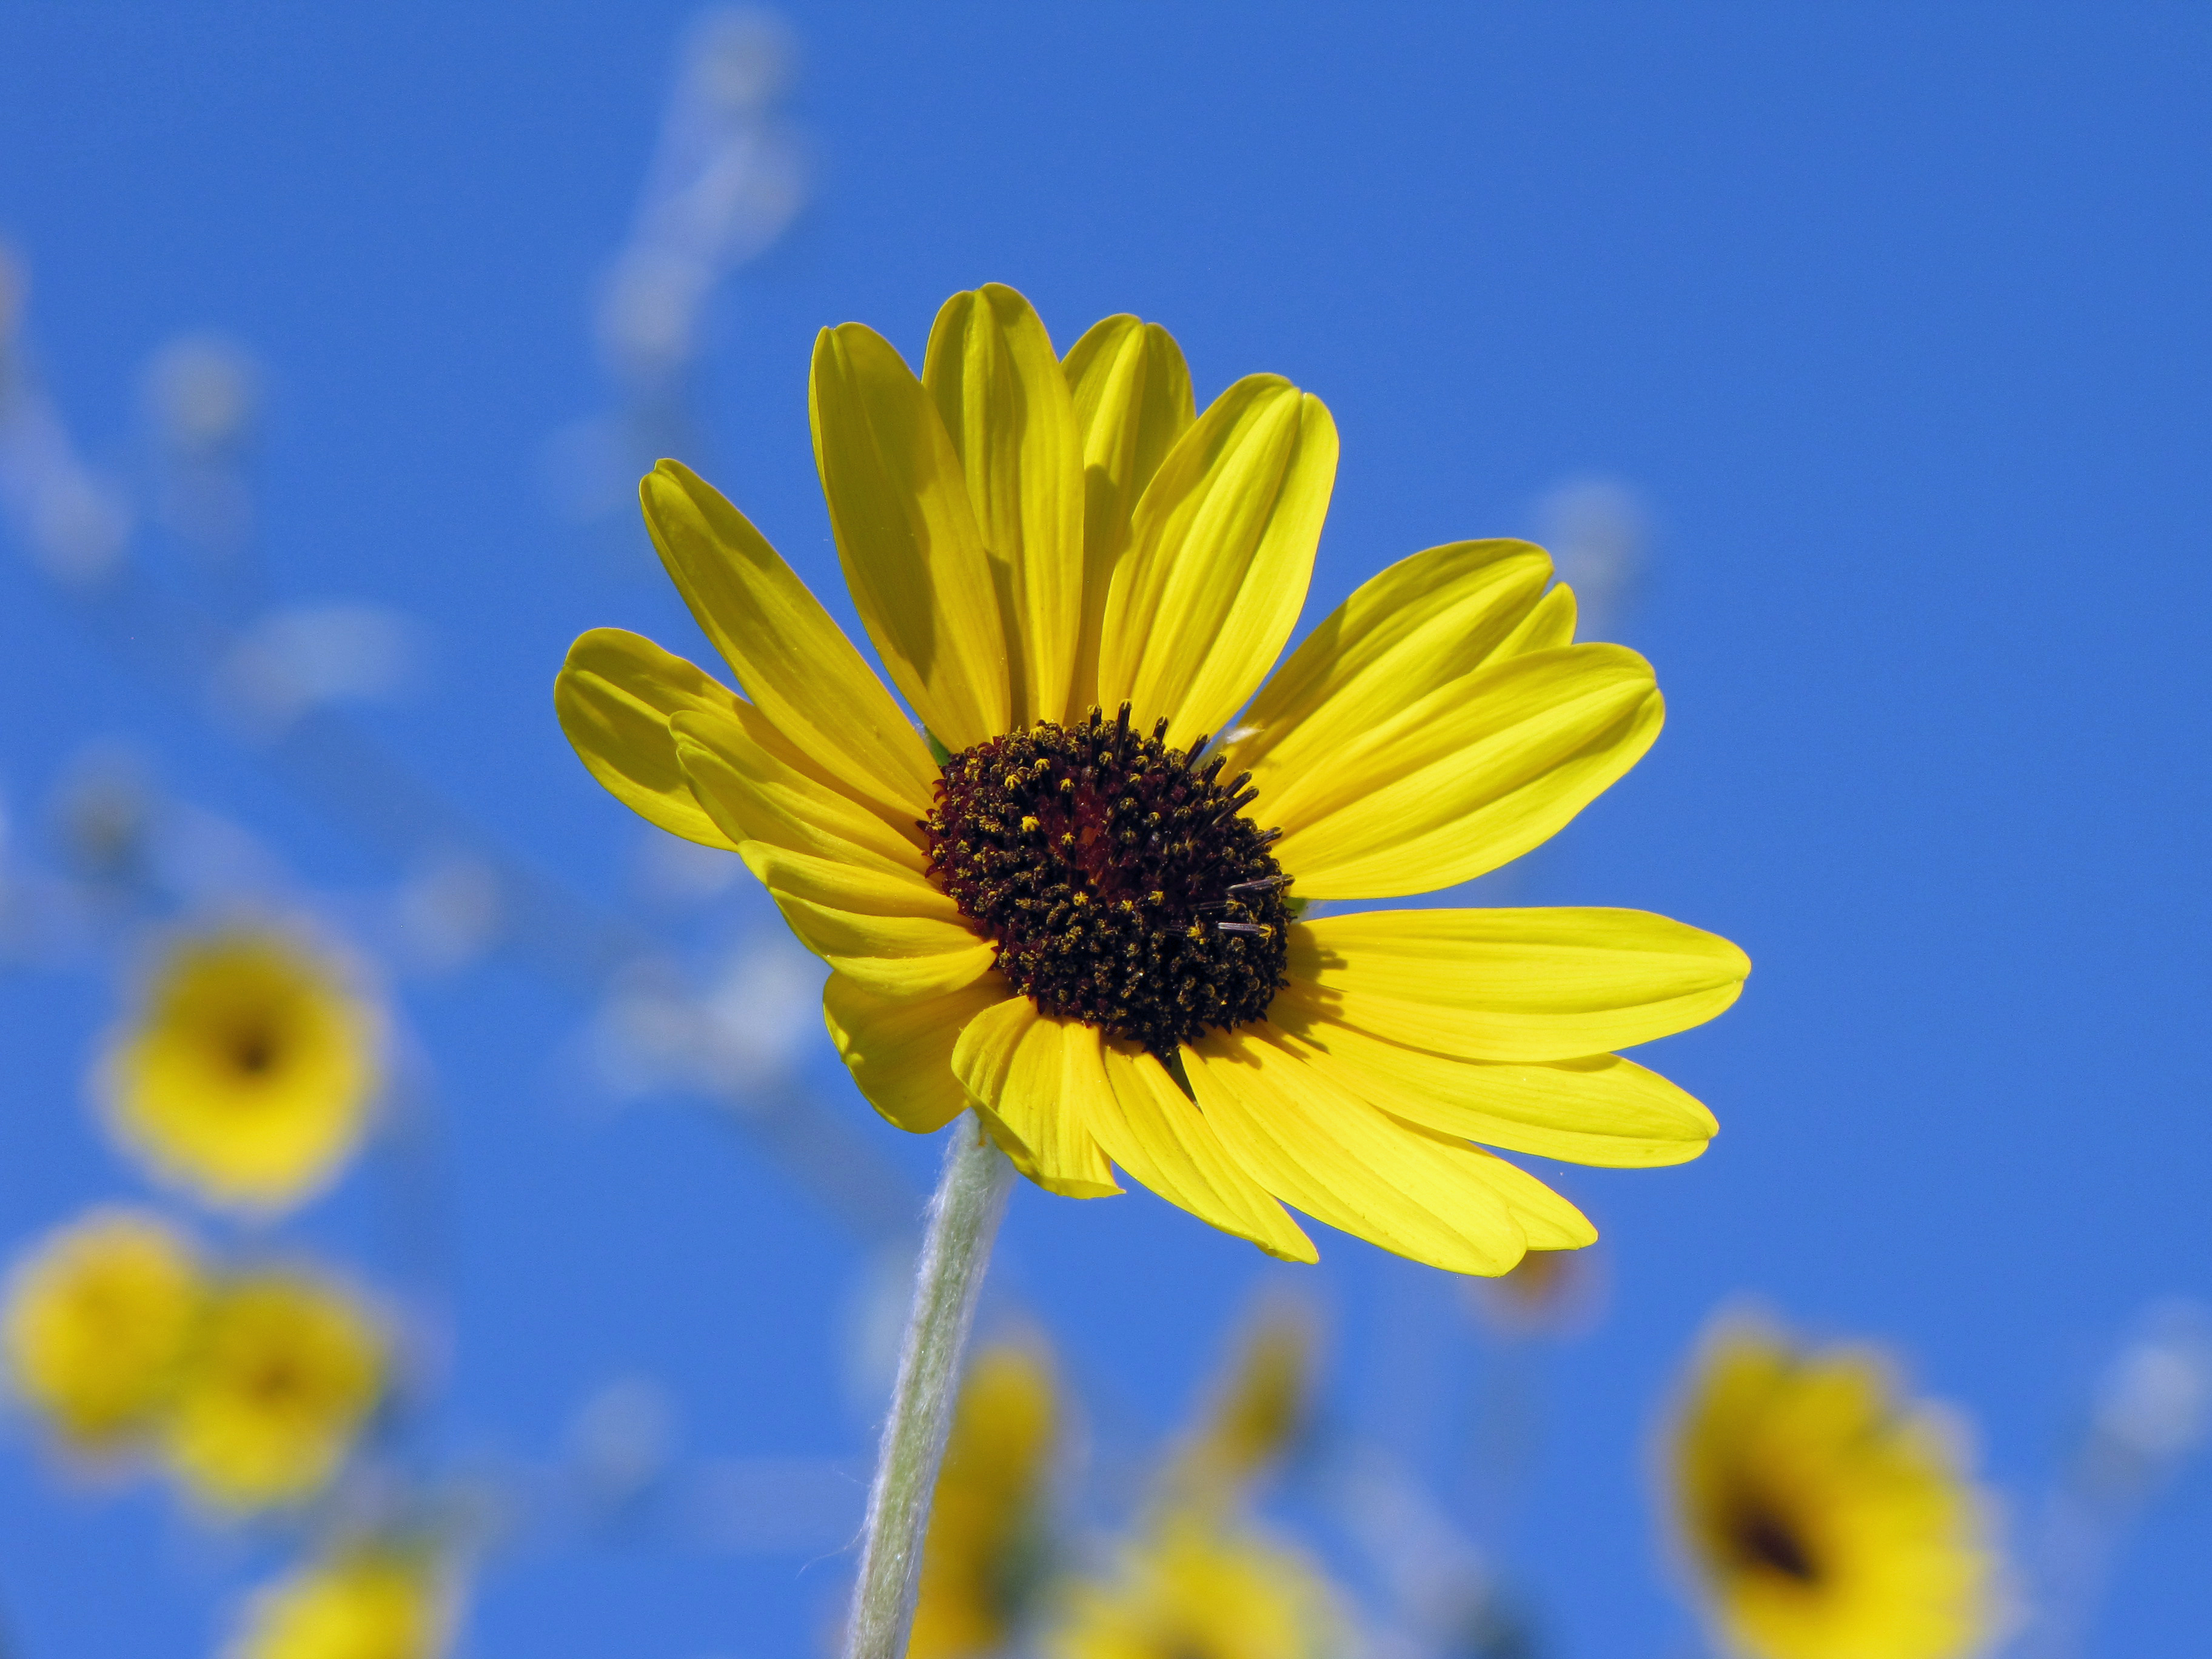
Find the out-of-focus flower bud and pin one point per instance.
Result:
(2152, 1408)
(726, 181)
(203, 394)
(449, 912)
(103, 814)
(741, 57)
(79, 527)
(203, 401)
(1555, 1294)
(1595, 530)
(294, 660)
(620, 1442)
(742, 1031)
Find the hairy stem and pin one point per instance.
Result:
(964, 1220)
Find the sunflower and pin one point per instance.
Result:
(1193, 1588)
(1073, 901)
(1823, 1517)
(98, 1320)
(365, 1603)
(287, 1369)
(984, 1557)
(247, 1077)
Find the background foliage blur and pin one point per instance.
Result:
(1853, 369)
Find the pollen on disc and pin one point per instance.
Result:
(1123, 884)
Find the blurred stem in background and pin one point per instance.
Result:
(2150, 1413)
(963, 1220)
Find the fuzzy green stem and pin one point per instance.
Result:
(964, 1220)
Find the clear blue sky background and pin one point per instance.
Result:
(1895, 318)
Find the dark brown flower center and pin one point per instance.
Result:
(1766, 1542)
(252, 1048)
(1123, 885)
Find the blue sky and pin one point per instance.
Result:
(1892, 321)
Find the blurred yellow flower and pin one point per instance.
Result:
(1823, 1517)
(247, 1076)
(286, 1372)
(366, 1604)
(98, 1319)
(1195, 1589)
(984, 1557)
(1262, 1408)
(1078, 913)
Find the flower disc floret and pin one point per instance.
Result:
(1120, 881)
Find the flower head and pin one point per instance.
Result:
(1823, 1517)
(1193, 1588)
(1073, 901)
(365, 1603)
(247, 1076)
(984, 1559)
(98, 1321)
(286, 1372)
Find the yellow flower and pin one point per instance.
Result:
(365, 1604)
(247, 1077)
(1192, 1589)
(98, 1320)
(1823, 1517)
(1084, 925)
(1262, 1409)
(286, 1372)
(983, 1556)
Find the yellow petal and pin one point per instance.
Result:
(792, 659)
(1597, 1110)
(999, 391)
(854, 902)
(842, 884)
(1222, 550)
(1547, 1221)
(1153, 1131)
(614, 696)
(900, 1049)
(1465, 778)
(754, 784)
(894, 956)
(1039, 1083)
(1515, 985)
(907, 536)
(1331, 1154)
(1550, 623)
(1419, 625)
(1131, 393)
